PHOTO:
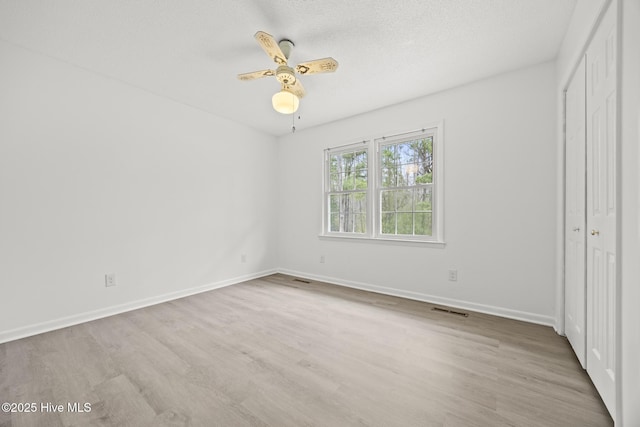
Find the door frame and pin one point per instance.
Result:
(582, 357)
(562, 171)
(561, 218)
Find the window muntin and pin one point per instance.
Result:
(348, 186)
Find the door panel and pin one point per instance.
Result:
(601, 208)
(575, 216)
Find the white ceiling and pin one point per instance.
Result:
(389, 51)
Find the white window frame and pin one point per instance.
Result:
(326, 211)
(374, 188)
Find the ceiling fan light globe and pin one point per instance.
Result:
(285, 102)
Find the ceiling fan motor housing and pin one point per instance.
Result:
(286, 46)
(285, 75)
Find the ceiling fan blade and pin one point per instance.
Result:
(297, 89)
(325, 65)
(256, 75)
(270, 46)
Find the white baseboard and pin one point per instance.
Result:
(63, 322)
(481, 308)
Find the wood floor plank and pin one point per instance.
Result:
(124, 404)
(280, 352)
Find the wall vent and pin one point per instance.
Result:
(301, 281)
(446, 310)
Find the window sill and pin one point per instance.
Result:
(385, 241)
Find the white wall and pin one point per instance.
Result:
(500, 200)
(630, 216)
(583, 20)
(97, 176)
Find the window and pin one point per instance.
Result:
(394, 195)
(406, 186)
(348, 187)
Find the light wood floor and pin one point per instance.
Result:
(278, 352)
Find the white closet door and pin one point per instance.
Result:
(575, 216)
(601, 208)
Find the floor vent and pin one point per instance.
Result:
(301, 281)
(446, 310)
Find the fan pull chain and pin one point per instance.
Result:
(293, 117)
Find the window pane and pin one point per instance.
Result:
(388, 156)
(389, 177)
(347, 161)
(346, 223)
(360, 223)
(404, 200)
(335, 182)
(423, 224)
(347, 212)
(405, 223)
(388, 223)
(334, 203)
(334, 161)
(358, 202)
(423, 199)
(350, 171)
(361, 179)
(334, 222)
(401, 176)
(361, 159)
(423, 149)
(405, 153)
(410, 173)
(424, 173)
(348, 182)
(340, 181)
(345, 204)
(388, 201)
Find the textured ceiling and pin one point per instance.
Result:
(389, 51)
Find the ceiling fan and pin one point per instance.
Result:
(288, 99)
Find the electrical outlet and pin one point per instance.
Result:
(243, 258)
(321, 259)
(453, 275)
(110, 279)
